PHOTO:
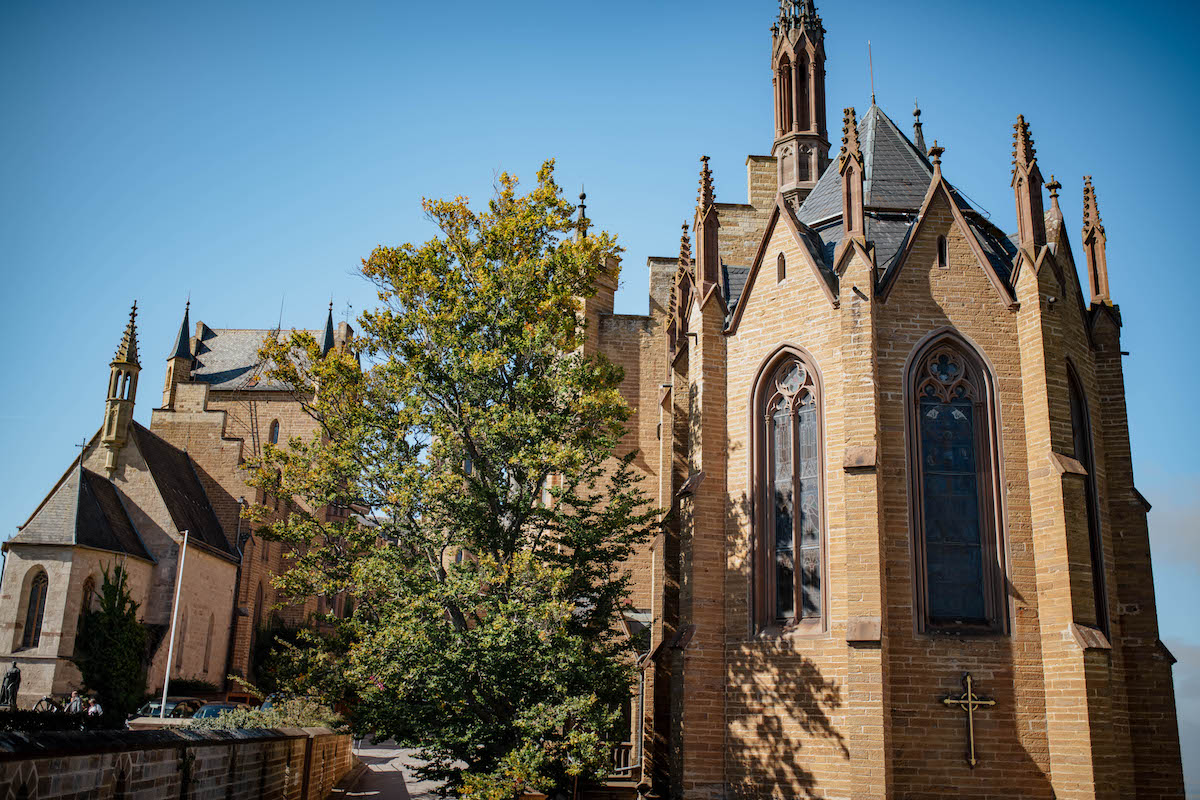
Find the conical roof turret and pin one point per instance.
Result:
(327, 341)
(183, 348)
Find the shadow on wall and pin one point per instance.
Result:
(780, 707)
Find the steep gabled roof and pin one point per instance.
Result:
(180, 488)
(102, 522)
(83, 509)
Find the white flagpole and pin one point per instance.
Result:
(162, 709)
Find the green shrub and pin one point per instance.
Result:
(297, 712)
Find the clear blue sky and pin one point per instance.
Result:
(251, 153)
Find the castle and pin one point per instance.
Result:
(905, 557)
(131, 495)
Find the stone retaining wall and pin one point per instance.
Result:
(286, 764)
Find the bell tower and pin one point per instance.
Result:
(122, 390)
(801, 146)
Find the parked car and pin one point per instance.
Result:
(216, 709)
(177, 707)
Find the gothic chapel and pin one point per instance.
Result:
(905, 556)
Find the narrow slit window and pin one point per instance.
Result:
(943, 253)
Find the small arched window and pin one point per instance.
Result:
(943, 253)
(35, 610)
(1081, 428)
(780, 268)
(959, 560)
(789, 543)
(274, 434)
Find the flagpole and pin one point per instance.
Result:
(162, 709)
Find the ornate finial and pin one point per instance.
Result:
(935, 154)
(1091, 209)
(1023, 151)
(707, 195)
(127, 351)
(797, 14)
(918, 127)
(685, 248)
(583, 220)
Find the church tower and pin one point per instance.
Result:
(801, 147)
(122, 390)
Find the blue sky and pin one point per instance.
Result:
(249, 154)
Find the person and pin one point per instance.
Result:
(75, 704)
(94, 709)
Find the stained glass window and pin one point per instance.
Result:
(792, 563)
(954, 470)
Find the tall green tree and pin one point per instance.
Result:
(468, 419)
(110, 649)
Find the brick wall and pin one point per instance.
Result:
(290, 764)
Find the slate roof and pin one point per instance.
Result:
(227, 360)
(102, 521)
(896, 179)
(180, 488)
(84, 509)
(735, 283)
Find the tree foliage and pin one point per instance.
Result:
(110, 649)
(467, 418)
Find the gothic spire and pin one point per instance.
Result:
(1027, 187)
(797, 13)
(707, 195)
(850, 143)
(327, 342)
(685, 250)
(127, 351)
(1024, 154)
(182, 348)
(1095, 246)
(1091, 211)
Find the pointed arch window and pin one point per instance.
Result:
(208, 641)
(273, 437)
(182, 641)
(959, 559)
(789, 541)
(1081, 429)
(35, 610)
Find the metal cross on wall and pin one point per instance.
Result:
(969, 701)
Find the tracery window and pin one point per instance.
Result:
(959, 564)
(1081, 429)
(789, 543)
(35, 610)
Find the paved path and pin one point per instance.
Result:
(388, 776)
